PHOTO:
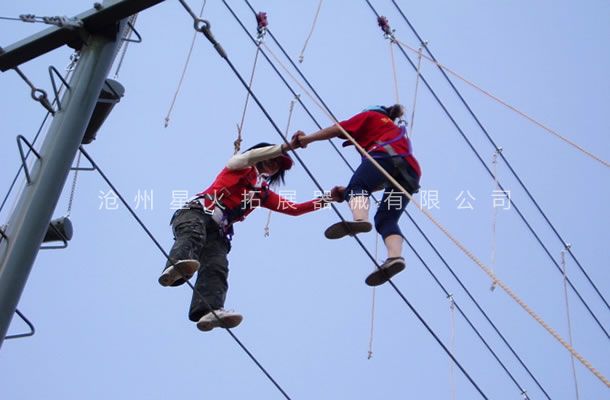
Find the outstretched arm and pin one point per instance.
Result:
(251, 157)
(323, 134)
(275, 202)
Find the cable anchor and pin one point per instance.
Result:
(261, 26)
(37, 94)
(388, 32)
(204, 26)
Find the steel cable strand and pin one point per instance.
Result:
(516, 208)
(166, 255)
(484, 130)
(467, 252)
(352, 169)
(372, 258)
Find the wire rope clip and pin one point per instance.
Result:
(261, 25)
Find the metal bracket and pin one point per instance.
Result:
(91, 168)
(133, 29)
(58, 246)
(21, 138)
(22, 335)
(52, 70)
(2, 234)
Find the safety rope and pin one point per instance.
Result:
(467, 252)
(452, 345)
(186, 64)
(494, 218)
(417, 79)
(261, 29)
(531, 197)
(568, 318)
(313, 26)
(290, 110)
(262, 108)
(394, 74)
(478, 306)
(373, 291)
(510, 107)
(514, 206)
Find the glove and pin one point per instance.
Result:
(337, 194)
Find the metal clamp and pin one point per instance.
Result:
(21, 138)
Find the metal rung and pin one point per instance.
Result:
(91, 168)
(54, 71)
(22, 335)
(133, 29)
(21, 138)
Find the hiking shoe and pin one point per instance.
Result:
(344, 228)
(183, 270)
(223, 319)
(386, 271)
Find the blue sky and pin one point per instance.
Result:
(106, 329)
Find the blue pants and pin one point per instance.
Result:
(368, 179)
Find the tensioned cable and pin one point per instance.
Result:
(470, 83)
(351, 168)
(468, 253)
(515, 207)
(456, 306)
(484, 130)
(156, 242)
(312, 177)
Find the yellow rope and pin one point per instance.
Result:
(393, 61)
(186, 64)
(417, 79)
(313, 25)
(240, 126)
(290, 110)
(526, 116)
(463, 248)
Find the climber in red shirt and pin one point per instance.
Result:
(204, 227)
(376, 131)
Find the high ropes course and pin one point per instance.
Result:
(446, 254)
